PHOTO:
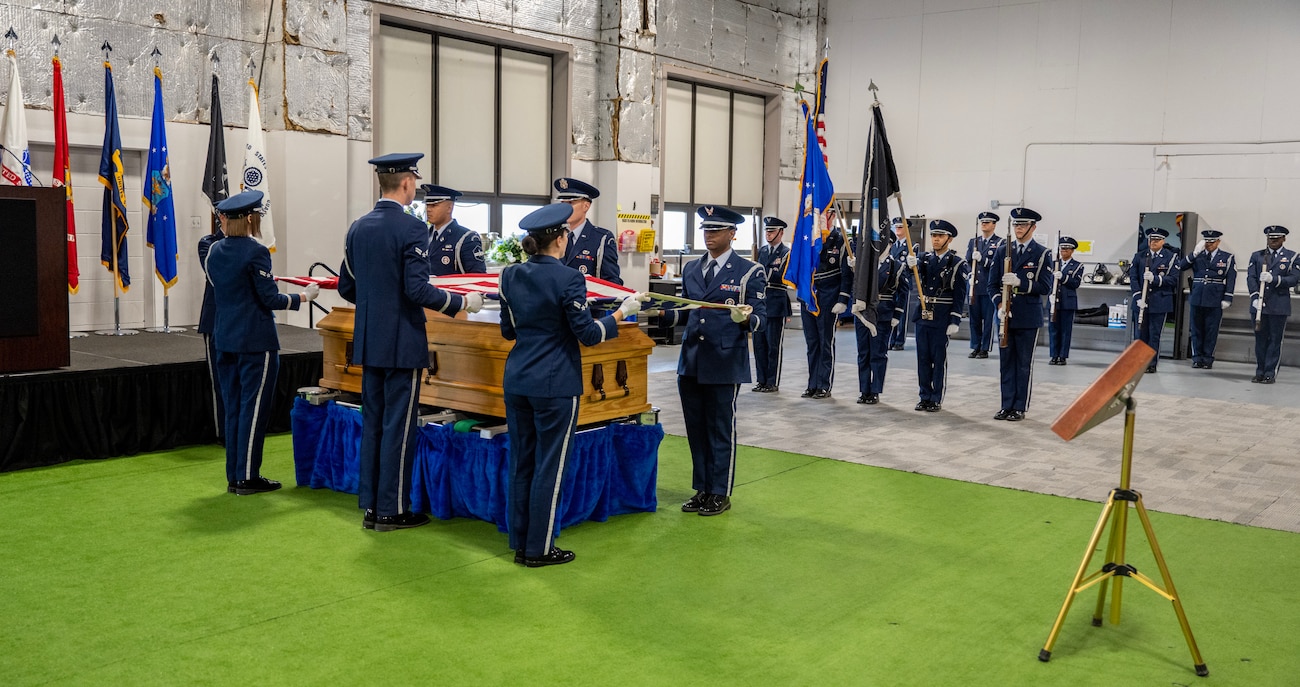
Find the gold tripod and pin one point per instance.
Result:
(1116, 512)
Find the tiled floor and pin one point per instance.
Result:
(1208, 443)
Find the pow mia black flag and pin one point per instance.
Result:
(879, 184)
(215, 186)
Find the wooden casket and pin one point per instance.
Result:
(467, 362)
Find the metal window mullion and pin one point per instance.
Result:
(731, 142)
(437, 149)
(693, 106)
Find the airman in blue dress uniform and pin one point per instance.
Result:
(832, 284)
(1274, 271)
(1030, 280)
(774, 256)
(944, 280)
(981, 252)
(1068, 276)
(385, 272)
(898, 251)
(1214, 277)
(544, 311)
(207, 318)
(714, 359)
(892, 278)
(1157, 267)
(453, 249)
(248, 350)
(592, 249)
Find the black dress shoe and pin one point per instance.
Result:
(716, 504)
(873, 399)
(807, 393)
(693, 503)
(973, 354)
(1002, 414)
(1256, 379)
(1063, 361)
(519, 556)
(1151, 369)
(1266, 380)
(405, 521)
(896, 347)
(922, 405)
(983, 354)
(822, 393)
(1207, 366)
(553, 557)
(1197, 366)
(230, 487)
(257, 485)
(862, 398)
(934, 407)
(758, 388)
(368, 520)
(1015, 415)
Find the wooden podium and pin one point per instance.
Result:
(34, 262)
(467, 366)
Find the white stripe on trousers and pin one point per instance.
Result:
(257, 409)
(559, 476)
(731, 469)
(212, 374)
(406, 435)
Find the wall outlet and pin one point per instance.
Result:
(994, 204)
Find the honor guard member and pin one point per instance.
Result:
(1270, 277)
(544, 311)
(385, 272)
(714, 360)
(981, 252)
(453, 249)
(1214, 277)
(592, 250)
(1030, 280)
(1156, 269)
(1068, 276)
(207, 318)
(774, 256)
(248, 350)
(898, 251)
(944, 280)
(832, 287)
(873, 349)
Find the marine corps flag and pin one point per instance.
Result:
(63, 174)
(816, 196)
(254, 177)
(215, 186)
(113, 253)
(879, 184)
(160, 231)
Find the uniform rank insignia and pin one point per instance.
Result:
(579, 305)
(264, 273)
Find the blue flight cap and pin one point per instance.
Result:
(942, 226)
(573, 189)
(1211, 234)
(1275, 230)
(241, 204)
(548, 219)
(989, 217)
(897, 221)
(394, 163)
(1157, 233)
(1024, 215)
(1067, 242)
(717, 217)
(434, 193)
(774, 223)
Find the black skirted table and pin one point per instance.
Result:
(613, 469)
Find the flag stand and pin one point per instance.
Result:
(117, 320)
(166, 329)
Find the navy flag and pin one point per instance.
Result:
(113, 251)
(215, 185)
(879, 184)
(160, 228)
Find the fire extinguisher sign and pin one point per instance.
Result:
(635, 233)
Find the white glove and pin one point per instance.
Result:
(838, 309)
(741, 314)
(473, 302)
(893, 322)
(952, 329)
(1140, 303)
(1200, 248)
(630, 305)
(1254, 303)
(1057, 274)
(1148, 277)
(1011, 279)
(911, 261)
(652, 312)
(852, 260)
(1225, 304)
(311, 292)
(1266, 277)
(1002, 315)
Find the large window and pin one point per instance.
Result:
(480, 112)
(712, 154)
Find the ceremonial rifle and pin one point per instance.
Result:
(1269, 268)
(1056, 281)
(975, 255)
(1142, 307)
(916, 274)
(753, 217)
(1004, 332)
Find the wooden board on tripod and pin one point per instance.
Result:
(1107, 396)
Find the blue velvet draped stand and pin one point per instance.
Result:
(613, 469)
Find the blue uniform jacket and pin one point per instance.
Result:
(1213, 277)
(208, 312)
(385, 272)
(943, 283)
(244, 291)
(774, 262)
(457, 251)
(892, 278)
(833, 274)
(898, 251)
(1034, 267)
(544, 311)
(981, 253)
(594, 253)
(715, 350)
(1067, 292)
(1160, 294)
(1277, 294)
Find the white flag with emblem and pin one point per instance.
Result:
(16, 162)
(254, 177)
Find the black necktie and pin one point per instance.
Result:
(711, 270)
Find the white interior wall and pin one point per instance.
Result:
(1070, 107)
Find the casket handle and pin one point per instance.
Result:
(598, 379)
(620, 377)
(433, 367)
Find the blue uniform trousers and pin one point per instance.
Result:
(1016, 368)
(1153, 325)
(1268, 344)
(932, 361)
(898, 335)
(541, 441)
(1059, 332)
(873, 357)
(1205, 332)
(710, 414)
(248, 383)
(390, 403)
(767, 351)
(218, 408)
(982, 316)
(819, 334)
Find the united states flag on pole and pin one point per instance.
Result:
(16, 160)
(821, 108)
